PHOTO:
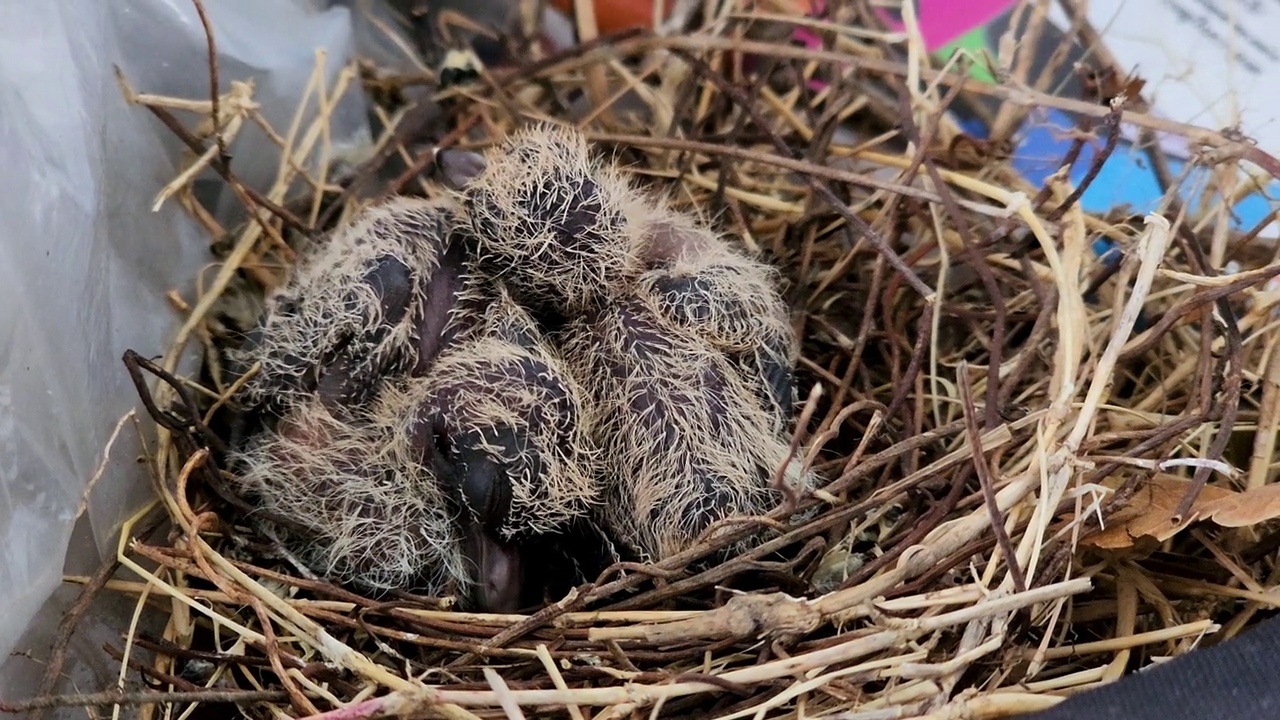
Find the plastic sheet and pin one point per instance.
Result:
(85, 265)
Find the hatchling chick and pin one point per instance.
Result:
(439, 481)
(684, 344)
(505, 425)
(687, 435)
(355, 501)
(549, 221)
(698, 362)
(567, 232)
(699, 285)
(371, 300)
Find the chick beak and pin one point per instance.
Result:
(499, 570)
(459, 167)
(485, 489)
(484, 496)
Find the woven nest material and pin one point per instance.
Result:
(1040, 468)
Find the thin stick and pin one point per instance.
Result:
(212, 59)
(71, 620)
(143, 697)
(984, 478)
(878, 242)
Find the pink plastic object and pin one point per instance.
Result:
(941, 22)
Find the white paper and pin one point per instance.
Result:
(1212, 63)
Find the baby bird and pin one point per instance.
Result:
(362, 506)
(503, 427)
(420, 430)
(549, 224)
(371, 300)
(685, 345)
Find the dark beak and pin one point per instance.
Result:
(482, 490)
(499, 571)
(457, 168)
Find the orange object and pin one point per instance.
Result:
(617, 15)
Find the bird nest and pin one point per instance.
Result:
(1040, 466)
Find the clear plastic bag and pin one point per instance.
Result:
(85, 266)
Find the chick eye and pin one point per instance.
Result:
(445, 447)
(287, 306)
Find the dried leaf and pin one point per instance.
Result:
(1246, 508)
(1150, 511)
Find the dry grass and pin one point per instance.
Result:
(982, 393)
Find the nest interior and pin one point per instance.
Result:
(1042, 466)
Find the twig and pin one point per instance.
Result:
(71, 620)
(212, 59)
(143, 697)
(195, 419)
(1234, 375)
(224, 170)
(817, 185)
(984, 479)
(1112, 125)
